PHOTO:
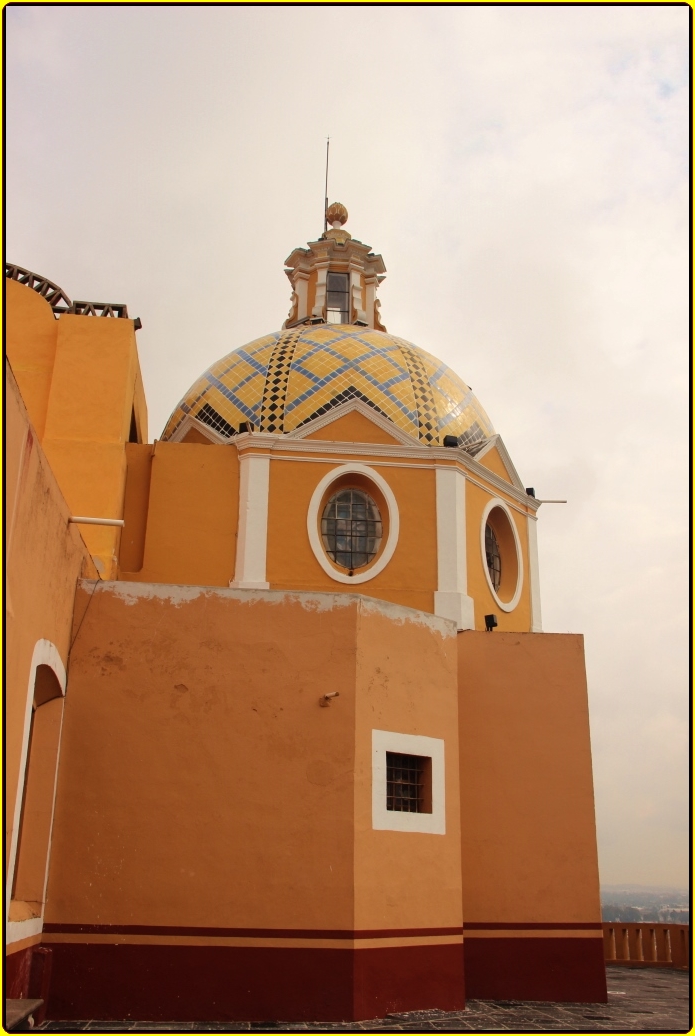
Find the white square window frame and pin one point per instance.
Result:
(384, 819)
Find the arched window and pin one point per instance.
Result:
(36, 816)
(492, 556)
(351, 528)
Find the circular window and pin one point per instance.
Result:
(501, 554)
(353, 523)
(351, 529)
(492, 556)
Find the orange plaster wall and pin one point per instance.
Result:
(493, 461)
(45, 557)
(200, 781)
(478, 589)
(410, 578)
(353, 427)
(135, 506)
(93, 391)
(192, 514)
(406, 683)
(31, 335)
(527, 806)
(194, 436)
(140, 405)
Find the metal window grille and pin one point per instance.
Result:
(337, 298)
(351, 528)
(492, 556)
(406, 783)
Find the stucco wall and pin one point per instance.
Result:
(206, 809)
(407, 683)
(532, 914)
(181, 511)
(31, 337)
(80, 378)
(45, 557)
(409, 579)
(193, 789)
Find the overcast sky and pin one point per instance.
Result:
(523, 171)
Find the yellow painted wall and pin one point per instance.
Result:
(31, 336)
(478, 589)
(94, 386)
(187, 511)
(410, 578)
(494, 462)
(44, 557)
(353, 427)
(135, 507)
(81, 382)
(195, 436)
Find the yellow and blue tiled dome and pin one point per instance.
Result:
(279, 382)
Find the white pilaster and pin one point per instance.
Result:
(370, 296)
(301, 284)
(533, 575)
(451, 600)
(319, 309)
(252, 538)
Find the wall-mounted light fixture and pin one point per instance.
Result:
(490, 623)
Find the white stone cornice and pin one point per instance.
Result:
(427, 456)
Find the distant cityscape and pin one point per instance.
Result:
(645, 903)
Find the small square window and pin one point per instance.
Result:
(408, 783)
(408, 792)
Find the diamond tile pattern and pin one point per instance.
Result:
(275, 391)
(285, 379)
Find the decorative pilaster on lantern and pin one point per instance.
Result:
(335, 279)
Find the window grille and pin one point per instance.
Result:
(351, 528)
(337, 298)
(407, 788)
(492, 556)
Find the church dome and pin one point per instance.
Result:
(281, 381)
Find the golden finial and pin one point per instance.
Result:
(336, 215)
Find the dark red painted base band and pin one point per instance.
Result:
(231, 983)
(17, 971)
(558, 969)
(28, 976)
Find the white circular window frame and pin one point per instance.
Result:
(312, 523)
(490, 506)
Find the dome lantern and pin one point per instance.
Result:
(335, 279)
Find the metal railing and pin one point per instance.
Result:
(58, 300)
(646, 943)
(55, 296)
